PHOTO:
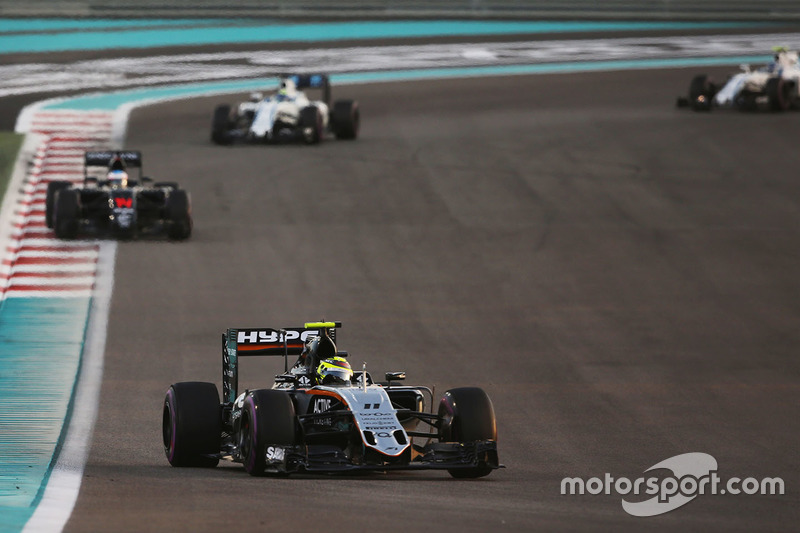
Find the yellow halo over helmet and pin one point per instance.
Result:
(334, 371)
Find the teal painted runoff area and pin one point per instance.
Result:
(111, 101)
(41, 342)
(247, 32)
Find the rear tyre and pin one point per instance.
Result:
(66, 215)
(268, 419)
(701, 93)
(221, 124)
(346, 119)
(311, 124)
(178, 215)
(50, 199)
(192, 424)
(467, 415)
(779, 94)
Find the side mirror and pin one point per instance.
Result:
(395, 376)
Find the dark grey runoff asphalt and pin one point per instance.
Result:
(619, 275)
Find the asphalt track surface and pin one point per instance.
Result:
(619, 275)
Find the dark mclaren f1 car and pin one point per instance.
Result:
(320, 416)
(112, 202)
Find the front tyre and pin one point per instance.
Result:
(701, 93)
(311, 124)
(221, 124)
(466, 415)
(191, 424)
(268, 419)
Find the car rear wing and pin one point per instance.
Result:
(245, 342)
(109, 160)
(130, 158)
(313, 81)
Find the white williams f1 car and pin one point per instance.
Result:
(775, 86)
(321, 416)
(287, 115)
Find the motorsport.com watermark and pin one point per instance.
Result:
(693, 474)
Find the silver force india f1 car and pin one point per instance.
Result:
(287, 115)
(114, 203)
(320, 416)
(775, 86)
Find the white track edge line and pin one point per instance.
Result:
(63, 487)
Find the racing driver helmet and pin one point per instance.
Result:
(334, 371)
(117, 178)
(288, 90)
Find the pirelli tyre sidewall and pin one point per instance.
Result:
(192, 424)
(466, 415)
(268, 419)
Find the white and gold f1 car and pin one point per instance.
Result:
(321, 416)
